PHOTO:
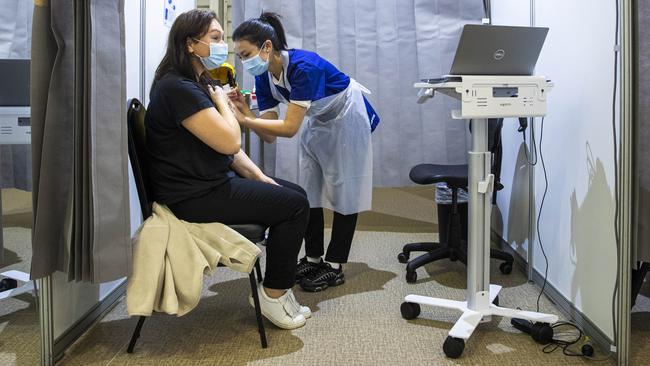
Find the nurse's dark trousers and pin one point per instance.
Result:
(343, 228)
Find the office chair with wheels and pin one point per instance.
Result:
(638, 276)
(138, 158)
(453, 218)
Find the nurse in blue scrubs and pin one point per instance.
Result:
(335, 156)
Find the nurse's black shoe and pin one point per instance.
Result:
(324, 277)
(306, 268)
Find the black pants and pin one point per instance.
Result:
(284, 209)
(342, 235)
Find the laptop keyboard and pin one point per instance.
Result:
(445, 79)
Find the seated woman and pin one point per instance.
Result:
(200, 172)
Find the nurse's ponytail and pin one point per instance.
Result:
(258, 30)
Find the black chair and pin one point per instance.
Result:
(138, 158)
(638, 276)
(452, 218)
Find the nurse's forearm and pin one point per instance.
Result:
(273, 127)
(269, 139)
(286, 127)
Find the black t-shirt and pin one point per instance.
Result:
(181, 165)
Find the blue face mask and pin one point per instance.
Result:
(218, 55)
(256, 65)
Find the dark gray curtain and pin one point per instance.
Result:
(81, 206)
(642, 111)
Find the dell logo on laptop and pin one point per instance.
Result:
(499, 54)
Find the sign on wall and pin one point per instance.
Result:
(169, 12)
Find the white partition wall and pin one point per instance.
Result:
(580, 153)
(577, 222)
(156, 36)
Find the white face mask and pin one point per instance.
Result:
(218, 55)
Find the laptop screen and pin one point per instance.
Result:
(498, 50)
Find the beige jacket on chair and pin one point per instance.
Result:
(171, 256)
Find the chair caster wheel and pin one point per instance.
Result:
(505, 268)
(7, 284)
(496, 301)
(403, 257)
(453, 347)
(409, 310)
(411, 277)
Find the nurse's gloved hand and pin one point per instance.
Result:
(238, 99)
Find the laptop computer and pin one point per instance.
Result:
(495, 50)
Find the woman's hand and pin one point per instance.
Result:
(218, 96)
(265, 179)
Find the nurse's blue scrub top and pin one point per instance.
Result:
(311, 78)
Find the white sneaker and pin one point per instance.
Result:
(303, 310)
(281, 311)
